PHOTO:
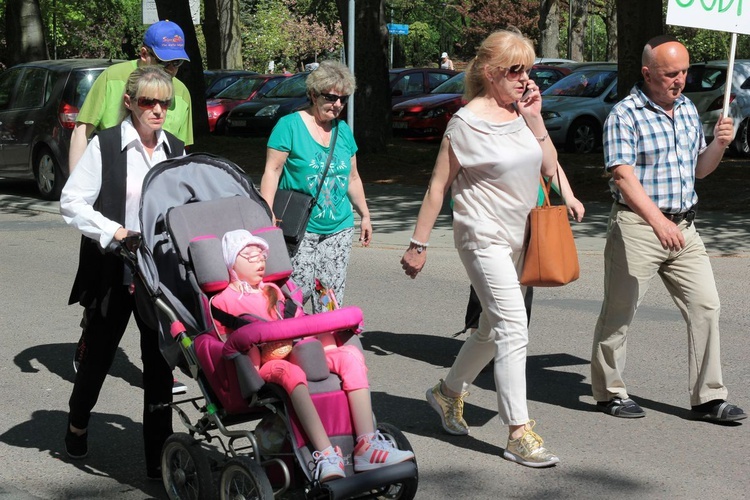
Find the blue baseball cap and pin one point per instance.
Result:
(167, 41)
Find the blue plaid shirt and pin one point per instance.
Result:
(663, 150)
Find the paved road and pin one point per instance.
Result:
(409, 345)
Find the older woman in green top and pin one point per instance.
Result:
(296, 158)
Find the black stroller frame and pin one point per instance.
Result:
(170, 297)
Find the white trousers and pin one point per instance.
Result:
(502, 333)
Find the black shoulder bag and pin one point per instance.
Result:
(293, 209)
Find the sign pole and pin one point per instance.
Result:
(730, 75)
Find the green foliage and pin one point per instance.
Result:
(284, 31)
(92, 28)
(421, 45)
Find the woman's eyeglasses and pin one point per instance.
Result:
(514, 72)
(150, 103)
(334, 97)
(255, 257)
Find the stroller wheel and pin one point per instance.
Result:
(241, 478)
(407, 489)
(185, 469)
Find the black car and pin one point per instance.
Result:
(259, 116)
(39, 103)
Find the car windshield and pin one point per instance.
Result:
(702, 79)
(241, 89)
(583, 83)
(454, 85)
(292, 87)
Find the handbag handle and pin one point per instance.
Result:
(547, 185)
(328, 162)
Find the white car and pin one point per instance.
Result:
(705, 87)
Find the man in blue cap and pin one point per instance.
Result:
(164, 44)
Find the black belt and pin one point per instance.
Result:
(688, 215)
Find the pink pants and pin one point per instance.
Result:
(347, 361)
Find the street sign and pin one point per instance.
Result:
(398, 29)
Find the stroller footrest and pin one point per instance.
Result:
(370, 480)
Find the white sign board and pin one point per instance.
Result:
(718, 15)
(150, 14)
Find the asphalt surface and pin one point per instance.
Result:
(409, 342)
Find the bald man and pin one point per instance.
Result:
(654, 149)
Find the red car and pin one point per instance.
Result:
(425, 118)
(246, 88)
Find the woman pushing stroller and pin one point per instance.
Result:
(247, 294)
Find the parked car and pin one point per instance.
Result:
(245, 89)
(39, 103)
(219, 79)
(426, 117)
(409, 83)
(258, 117)
(705, 86)
(574, 108)
(553, 61)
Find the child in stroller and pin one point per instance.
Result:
(248, 297)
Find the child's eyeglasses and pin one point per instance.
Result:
(150, 103)
(255, 257)
(334, 97)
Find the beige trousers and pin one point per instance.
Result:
(632, 256)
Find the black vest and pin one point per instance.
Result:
(98, 272)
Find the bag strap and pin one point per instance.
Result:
(328, 161)
(546, 185)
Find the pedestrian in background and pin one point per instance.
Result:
(445, 62)
(491, 156)
(655, 149)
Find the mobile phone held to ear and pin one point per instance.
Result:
(526, 94)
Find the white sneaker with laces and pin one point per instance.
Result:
(329, 464)
(375, 451)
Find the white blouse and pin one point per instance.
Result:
(498, 182)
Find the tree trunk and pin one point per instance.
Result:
(549, 29)
(24, 32)
(578, 31)
(372, 103)
(178, 11)
(610, 23)
(231, 38)
(637, 22)
(212, 34)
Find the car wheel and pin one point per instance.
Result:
(742, 141)
(49, 177)
(583, 136)
(221, 125)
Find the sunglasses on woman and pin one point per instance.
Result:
(333, 97)
(514, 72)
(150, 103)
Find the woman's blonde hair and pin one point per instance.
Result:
(148, 78)
(503, 48)
(330, 75)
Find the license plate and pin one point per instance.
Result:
(239, 123)
(399, 125)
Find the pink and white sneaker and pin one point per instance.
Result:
(374, 451)
(329, 464)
